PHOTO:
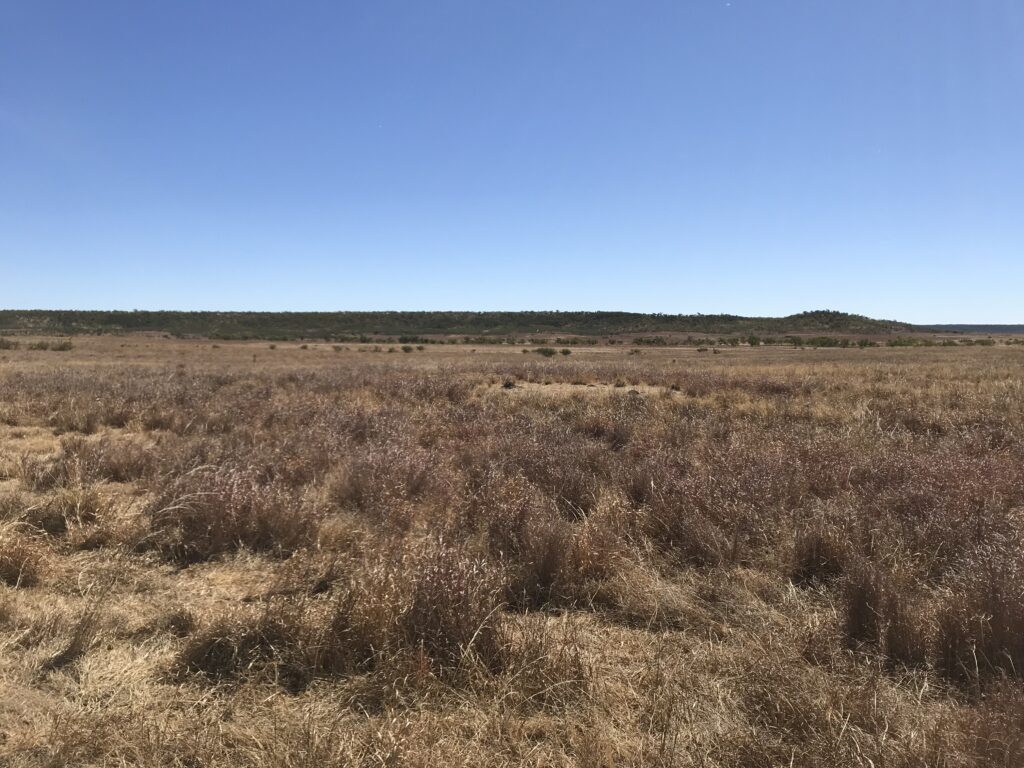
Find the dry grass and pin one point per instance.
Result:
(765, 557)
(21, 559)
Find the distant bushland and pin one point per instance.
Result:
(415, 327)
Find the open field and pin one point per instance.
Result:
(246, 554)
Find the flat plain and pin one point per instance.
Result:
(256, 554)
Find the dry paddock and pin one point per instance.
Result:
(256, 554)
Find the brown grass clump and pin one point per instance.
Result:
(864, 595)
(820, 554)
(118, 461)
(75, 416)
(40, 474)
(21, 559)
(268, 643)
(454, 608)
(981, 626)
(551, 561)
(80, 636)
(378, 483)
(67, 508)
(907, 631)
(13, 505)
(212, 510)
(688, 536)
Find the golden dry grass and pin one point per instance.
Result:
(232, 555)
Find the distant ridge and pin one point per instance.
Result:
(976, 328)
(327, 325)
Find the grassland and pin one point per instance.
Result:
(255, 554)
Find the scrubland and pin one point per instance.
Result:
(235, 555)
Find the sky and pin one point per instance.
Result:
(752, 157)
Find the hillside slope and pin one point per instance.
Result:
(286, 325)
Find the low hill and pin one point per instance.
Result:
(327, 325)
(975, 329)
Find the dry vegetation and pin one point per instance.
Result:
(244, 556)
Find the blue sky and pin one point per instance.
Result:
(735, 156)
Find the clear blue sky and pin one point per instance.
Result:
(746, 156)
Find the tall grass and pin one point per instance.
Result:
(735, 563)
